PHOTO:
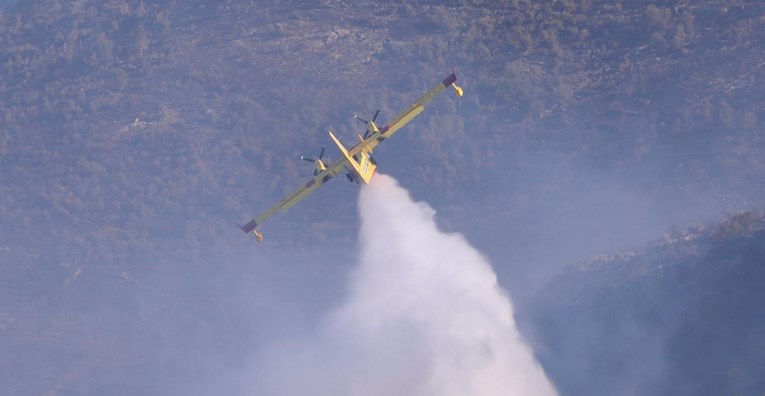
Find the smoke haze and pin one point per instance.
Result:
(423, 316)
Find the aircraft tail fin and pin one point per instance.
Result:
(363, 168)
(340, 146)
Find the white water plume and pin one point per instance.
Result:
(423, 316)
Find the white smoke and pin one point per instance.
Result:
(424, 316)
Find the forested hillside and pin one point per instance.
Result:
(129, 126)
(135, 134)
(682, 316)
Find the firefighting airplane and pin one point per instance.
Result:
(357, 161)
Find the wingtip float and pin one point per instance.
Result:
(357, 162)
(250, 228)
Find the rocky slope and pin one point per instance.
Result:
(682, 316)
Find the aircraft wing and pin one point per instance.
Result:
(407, 115)
(359, 152)
(296, 196)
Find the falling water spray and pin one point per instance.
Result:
(424, 315)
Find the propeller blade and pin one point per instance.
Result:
(304, 158)
(321, 154)
(360, 119)
(376, 113)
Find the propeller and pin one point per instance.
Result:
(309, 159)
(366, 134)
(318, 164)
